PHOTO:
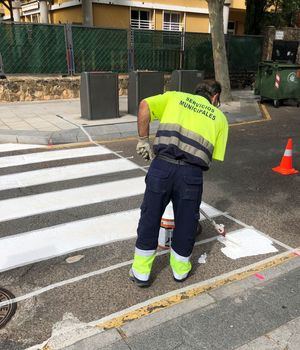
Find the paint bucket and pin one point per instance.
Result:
(167, 226)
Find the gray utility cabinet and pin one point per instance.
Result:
(142, 85)
(185, 80)
(99, 95)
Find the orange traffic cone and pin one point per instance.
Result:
(286, 164)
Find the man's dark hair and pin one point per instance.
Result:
(208, 89)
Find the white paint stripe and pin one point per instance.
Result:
(209, 210)
(236, 220)
(129, 262)
(75, 197)
(8, 147)
(32, 158)
(63, 173)
(31, 247)
(85, 276)
(288, 153)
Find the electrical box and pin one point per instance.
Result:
(99, 95)
(185, 80)
(142, 85)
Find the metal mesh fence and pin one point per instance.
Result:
(98, 49)
(244, 53)
(47, 49)
(33, 48)
(156, 50)
(198, 52)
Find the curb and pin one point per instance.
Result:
(111, 131)
(194, 298)
(99, 132)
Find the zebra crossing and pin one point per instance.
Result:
(29, 246)
(31, 224)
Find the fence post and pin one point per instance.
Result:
(131, 61)
(182, 49)
(2, 75)
(69, 49)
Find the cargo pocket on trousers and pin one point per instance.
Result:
(192, 187)
(157, 180)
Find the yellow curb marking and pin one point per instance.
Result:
(265, 112)
(180, 297)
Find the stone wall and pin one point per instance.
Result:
(14, 89)
(290, 34)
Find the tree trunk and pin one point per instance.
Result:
(215, 8)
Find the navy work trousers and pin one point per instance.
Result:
(181, 184)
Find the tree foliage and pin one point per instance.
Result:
(282, 13)
(255, 13)
(278, 13)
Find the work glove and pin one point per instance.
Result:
(143, 148)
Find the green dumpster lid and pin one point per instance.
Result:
(280, 64)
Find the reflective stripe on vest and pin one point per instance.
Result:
(186, 140)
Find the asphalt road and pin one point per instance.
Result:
(244, 186)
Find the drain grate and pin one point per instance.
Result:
(7, 311)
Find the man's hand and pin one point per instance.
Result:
(144, 148)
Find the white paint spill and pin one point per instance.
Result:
(8, 147)
(15, 208)
(30, 247)
(202, 259)
(63, 173)
(32, 158)
(246, 242)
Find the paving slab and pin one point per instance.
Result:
(23, 118)
(232, 322)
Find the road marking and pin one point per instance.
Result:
(248, 122)
(264, 234)
(32, 158)
(129, 262)
(63, 173)
(20, 207)
(88, 275)
(91, 274)
(8, 147)
(266, 113)
(34, 246)
(246, 242)
(164, 301)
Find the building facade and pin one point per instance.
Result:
(171, 15)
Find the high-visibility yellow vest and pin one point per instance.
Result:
(190, 129)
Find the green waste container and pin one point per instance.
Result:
(278, 81)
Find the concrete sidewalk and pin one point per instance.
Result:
(250, 314)
(37, 122)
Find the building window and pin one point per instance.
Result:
(231, 28)
(172, 21)
(141, 19)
